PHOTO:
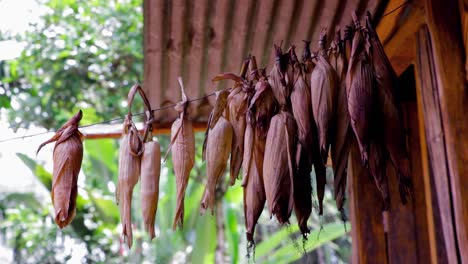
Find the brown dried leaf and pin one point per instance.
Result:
(150, 171)
(67, 157)
(218, 149)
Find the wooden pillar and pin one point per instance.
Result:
(444, 25)
(368, 235)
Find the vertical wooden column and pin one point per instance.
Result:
(407, 237)
(444, 24)
(438, 174)
(367, 231)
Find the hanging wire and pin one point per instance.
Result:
(164, 107)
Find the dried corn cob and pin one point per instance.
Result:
(279, 165)
(67, 157)
(218, 147)
(183, 153)
(359, 85)
(340, 144)
(323, 85)
(301, 109)
(150, 170)
(394, 137)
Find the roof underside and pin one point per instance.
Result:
(199, 39)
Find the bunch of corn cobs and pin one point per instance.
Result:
(274, 127)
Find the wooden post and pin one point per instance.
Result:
(444, 24)
(369, 245)
(437, 145)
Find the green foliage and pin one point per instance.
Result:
(97, 220)
(79, 55)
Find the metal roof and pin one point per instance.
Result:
(199, 39)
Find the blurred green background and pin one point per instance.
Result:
(85, 55)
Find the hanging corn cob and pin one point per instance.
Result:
(279, 165)
(131, 149)
(359, 85)
(150, 172)
(340, 143)
(217, 147)
(300, 101)
(323, 85)
(261, 108)
(67, 157)
(237, 106)
(394, 137)
(183, 153)
(280, 78)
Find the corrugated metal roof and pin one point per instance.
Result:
(199, 39)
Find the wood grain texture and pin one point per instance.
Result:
(444, 24)
(435, 140)
(367, 232)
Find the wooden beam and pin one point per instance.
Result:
(444, 24)
(397, 33)
(367, 232)
(436, 141)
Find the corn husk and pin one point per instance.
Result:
(307, 59)
(394, 137)
(150, 171)
(323, 85)
(280, 78)
(319, 168)
(301, 109)
(279, 166)
(237, 103)
(183, 154)
(340, 144)
(254, 192)
(360, 86)
(131, 147)
(218, 148)
(261, 109)
(67, 157)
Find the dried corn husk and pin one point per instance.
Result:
(261, 109)
(280, 78)
(319, 167)
(394, 137)
(301, 109)
(183, 153)
(377, 169)
(218, 148)
(150, 170)
(359, 85)
(323, 85)
(340, 144)
(307, 59)
(131, 147)
(279, 166)
(67, 157)
(237, 104)
(254, 192)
